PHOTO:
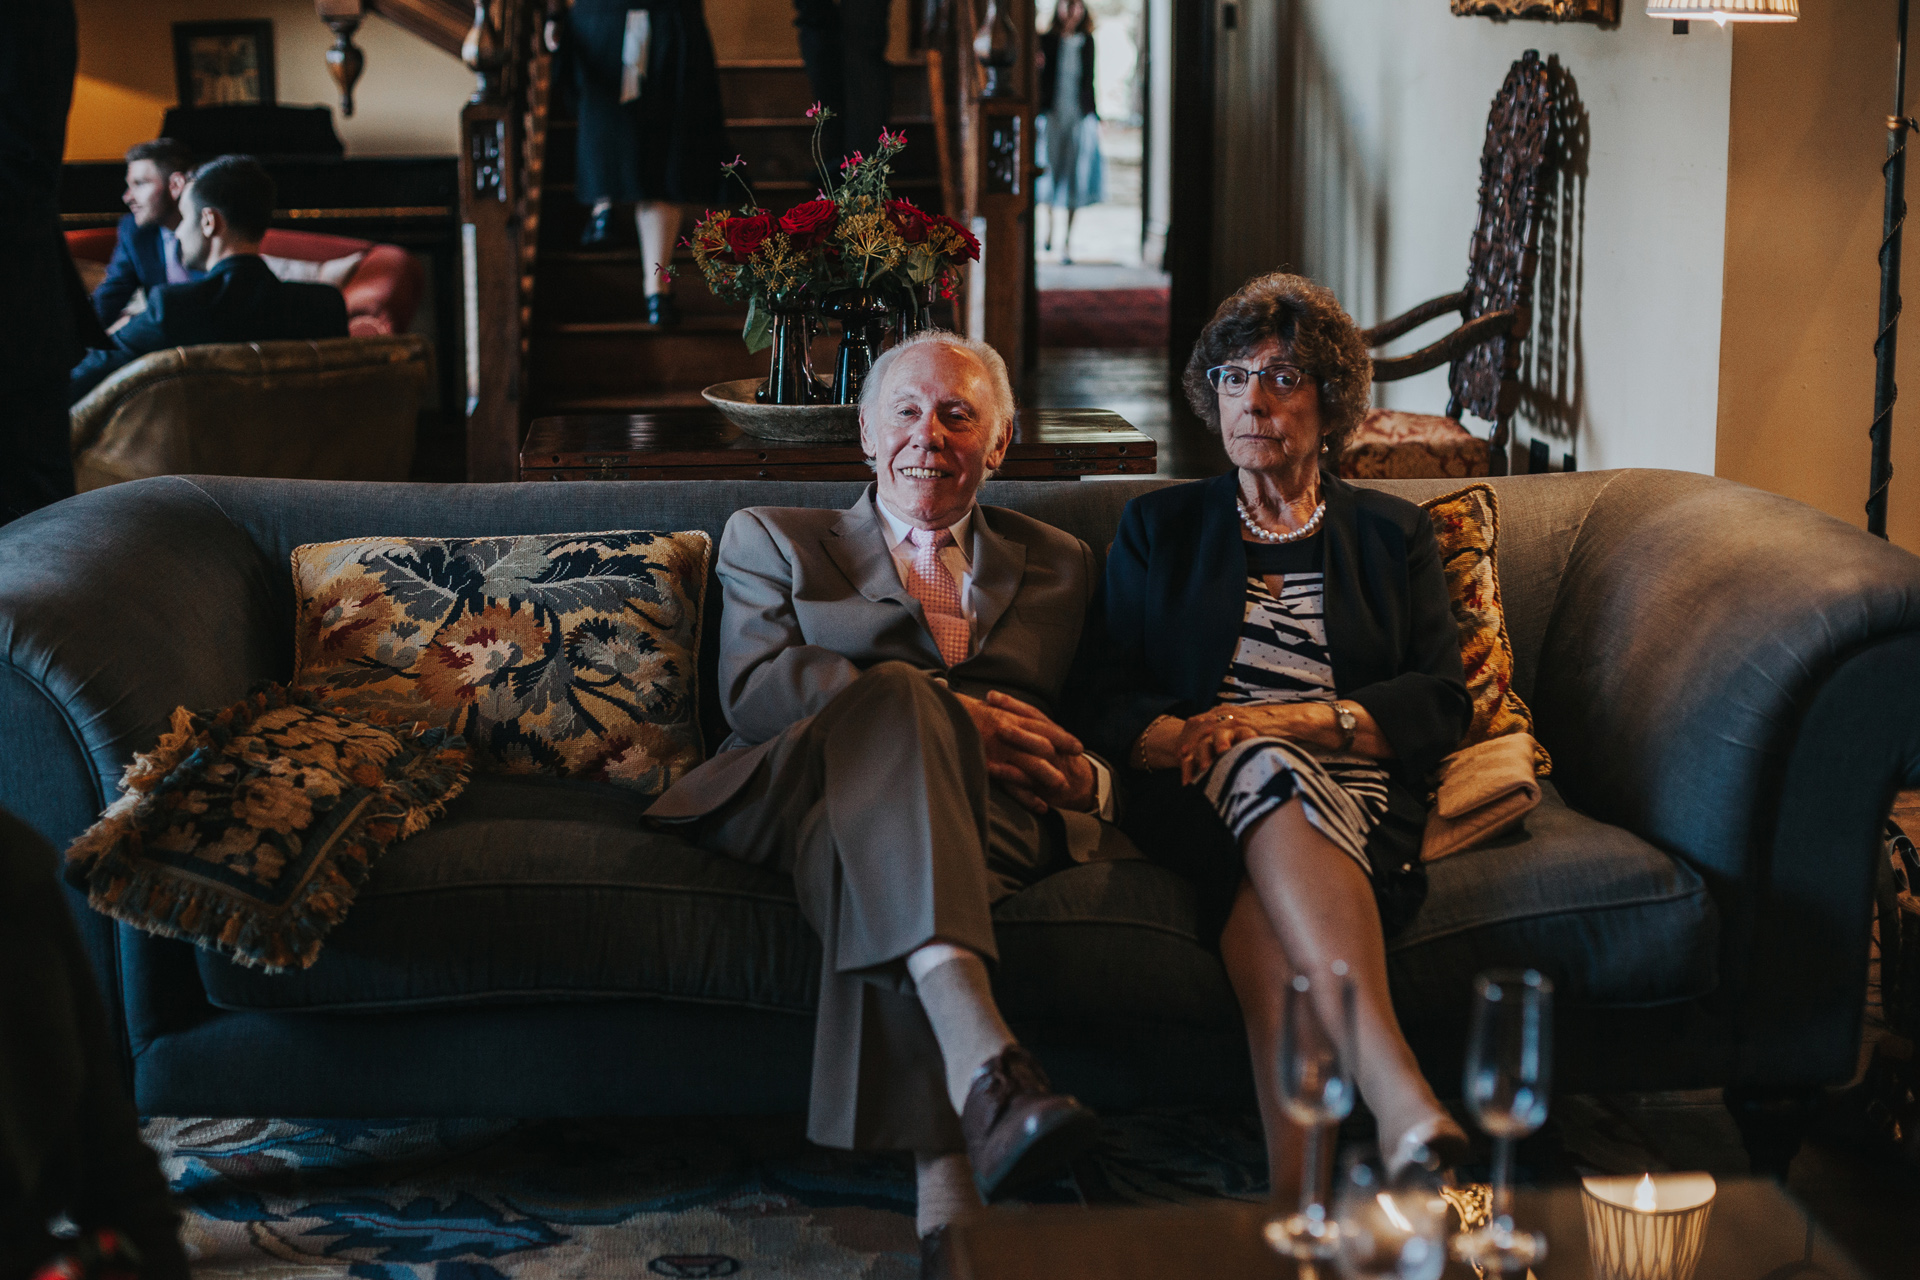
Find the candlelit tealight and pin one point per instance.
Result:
(1647, 1228)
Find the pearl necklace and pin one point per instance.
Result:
(1267, 535)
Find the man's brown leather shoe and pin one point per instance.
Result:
(1017, 1129)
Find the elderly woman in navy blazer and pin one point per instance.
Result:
(1281, 671)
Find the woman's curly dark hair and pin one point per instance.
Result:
(1314, 332)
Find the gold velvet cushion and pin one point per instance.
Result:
(569, 654)
(1467, 524)
(1390, 445)
(248, 830)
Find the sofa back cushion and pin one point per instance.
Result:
(572, 654)
(1539, 517)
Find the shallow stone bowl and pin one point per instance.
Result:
(813, 423)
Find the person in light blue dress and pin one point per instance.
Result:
(1067, 139)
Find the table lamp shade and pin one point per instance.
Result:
(1647, 1228)
(1725, 11)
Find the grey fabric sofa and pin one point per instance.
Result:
(1726, 680)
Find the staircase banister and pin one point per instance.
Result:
(441, 23)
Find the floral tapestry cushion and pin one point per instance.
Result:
(1467, 524)
(249, 830)
(570, 654)
(1392, 445)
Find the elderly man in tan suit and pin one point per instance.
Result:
(886, 671)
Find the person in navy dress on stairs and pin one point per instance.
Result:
(844, 44)
(652, 131)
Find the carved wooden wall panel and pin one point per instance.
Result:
(1543, 10)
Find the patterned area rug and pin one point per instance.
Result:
(542, 1200)
(1105, 318)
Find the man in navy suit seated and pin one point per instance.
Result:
(223, 214)
(147, 253)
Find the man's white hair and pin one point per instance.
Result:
(1000, 384)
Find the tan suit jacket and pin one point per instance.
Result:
(813, 599)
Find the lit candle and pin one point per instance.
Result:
(1647, 1228)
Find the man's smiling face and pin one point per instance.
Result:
(933, 434)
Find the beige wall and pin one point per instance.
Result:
(1389, 111)
(407, 102)
(1804, 195)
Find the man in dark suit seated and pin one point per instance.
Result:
(223, 214)
(147, 253)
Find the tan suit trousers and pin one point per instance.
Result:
(881, 809)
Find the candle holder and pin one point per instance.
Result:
(1647, 1228)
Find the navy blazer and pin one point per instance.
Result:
(138, 262)
(240, 300)
(1167, 619)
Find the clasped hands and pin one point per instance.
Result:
(1041, 764)
(1195, 743)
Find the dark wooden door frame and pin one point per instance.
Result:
(1189, 256)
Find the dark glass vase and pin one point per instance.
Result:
(860, 313)
(790, 374)
(911, 312)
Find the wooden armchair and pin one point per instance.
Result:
(1495, 309)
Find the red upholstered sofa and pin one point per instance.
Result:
(382, 291)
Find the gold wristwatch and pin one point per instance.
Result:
(1349, 724)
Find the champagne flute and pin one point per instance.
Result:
(1316, 1091)
(1390, 1229)
(1509, 1074)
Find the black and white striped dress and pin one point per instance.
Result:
(1282, 657)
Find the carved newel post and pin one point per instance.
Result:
(996, 45)
(345, 62)
(484, 52)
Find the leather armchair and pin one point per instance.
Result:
(333, 409)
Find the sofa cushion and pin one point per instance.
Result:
(1466, 523)
(535, 889)
(248, 829)
(1611, 919)
(562, 653)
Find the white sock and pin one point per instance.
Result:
(946, 1192)
(958, 997)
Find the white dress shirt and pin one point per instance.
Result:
(957, 557)
(177, 272)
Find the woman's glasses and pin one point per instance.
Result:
(1231, 380)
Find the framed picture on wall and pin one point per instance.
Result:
(223, 64)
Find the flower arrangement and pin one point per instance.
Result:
(854, 235)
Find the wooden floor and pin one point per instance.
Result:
(1906, 812)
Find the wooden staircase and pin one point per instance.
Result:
(551, 328)
(591, 348)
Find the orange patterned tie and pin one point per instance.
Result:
(939, 594)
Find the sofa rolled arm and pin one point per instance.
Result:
(115, 607)
(1714, 654)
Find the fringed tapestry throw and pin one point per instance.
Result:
(249, 830)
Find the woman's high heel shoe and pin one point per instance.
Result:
(661, 309)
(599, 228)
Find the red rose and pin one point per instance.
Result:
(745, 234)
(908, 222)
(810, 223)
(967, 239)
